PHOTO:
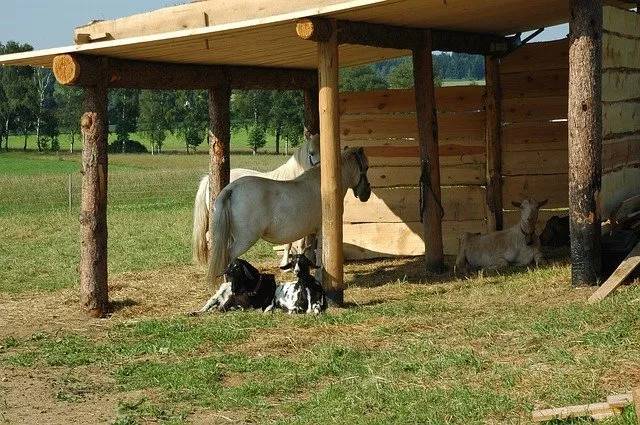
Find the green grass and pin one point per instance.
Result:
(485, 351)
(149, 217)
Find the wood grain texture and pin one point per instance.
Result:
(464, 126)
(620, 118)
(620, 21)
(452, 175)
(366, 241)
(535, 162)
(544, 83)
(622, 152)
(619, 85)
(517, 110)
(394, 205)
(537, 57)
(448, 99)
(535, 136)
(620, 52)
(541, 187)
(493, 139)
(619, 275)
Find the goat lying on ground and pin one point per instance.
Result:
(244, 288)
(515, 245)
(302, 296)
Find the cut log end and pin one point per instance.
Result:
(314, 29)
(66, 69)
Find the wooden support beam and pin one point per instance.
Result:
(493, 143)
(219, 142)
(94, 296)
(585, 139)
(395, 37)
(636, 402)
(619, 275)
(330, 169)
(311, 113)
(84, 70)
(427, 117)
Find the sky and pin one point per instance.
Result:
(50, 23)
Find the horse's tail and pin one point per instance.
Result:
(200, 247)
(219, 258)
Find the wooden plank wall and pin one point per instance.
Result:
(620, 107)
(384, 123)
(535, 82)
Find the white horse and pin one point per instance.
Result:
(279, 212)
(305, 157)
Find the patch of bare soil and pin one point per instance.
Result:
(32, 396)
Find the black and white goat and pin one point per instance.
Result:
(302, 296)
(244, 288)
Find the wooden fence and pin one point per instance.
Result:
(534, 82)
(620, 107)
(384, 123)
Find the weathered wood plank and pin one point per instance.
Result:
(448, 99)
(617, 153)
(620, 118)
(531, 136)
(621, 21)
(413, 161)
(541, 187)
(535, 83)
(617, 186)
(594, 410)
(619, 85)
(516, 110)
(463, 174)
(393, 205)
(364, 241)
(535, 162)
(414, 151)
(620, 52)
(537, 57)
(452, 127)
(622, 272)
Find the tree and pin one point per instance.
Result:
(44, 83)
(190, 117)
(287, 117)
(69, 110)
(401, 77)
(19, 99)
(124, 109)
(361, 78)
(257, 138)
(155, 116)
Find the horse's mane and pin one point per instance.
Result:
(294, 165)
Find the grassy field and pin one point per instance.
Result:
(409, 348)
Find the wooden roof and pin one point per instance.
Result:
(263, 33)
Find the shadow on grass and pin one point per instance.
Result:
(118, 305)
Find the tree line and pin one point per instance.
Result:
(32, 103)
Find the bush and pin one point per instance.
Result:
(130, 146)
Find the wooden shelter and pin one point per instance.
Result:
(300, 45)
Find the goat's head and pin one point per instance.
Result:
(529, 217)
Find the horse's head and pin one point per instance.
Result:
(312, 146)
(358, 165)
(529, 217)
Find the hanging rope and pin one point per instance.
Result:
(425, 183)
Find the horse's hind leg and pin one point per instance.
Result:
(239, 247)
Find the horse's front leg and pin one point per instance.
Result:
(538, 257)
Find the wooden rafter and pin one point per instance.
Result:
(395, 37)
(83, 70)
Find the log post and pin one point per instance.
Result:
(493, 143)
(585, 139)
(311, 113)
(94, 296)
(330, 168)
(427, 116)
(636, 402)
(219, 142)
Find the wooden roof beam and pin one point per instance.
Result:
(395, 37)
(85, 70)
